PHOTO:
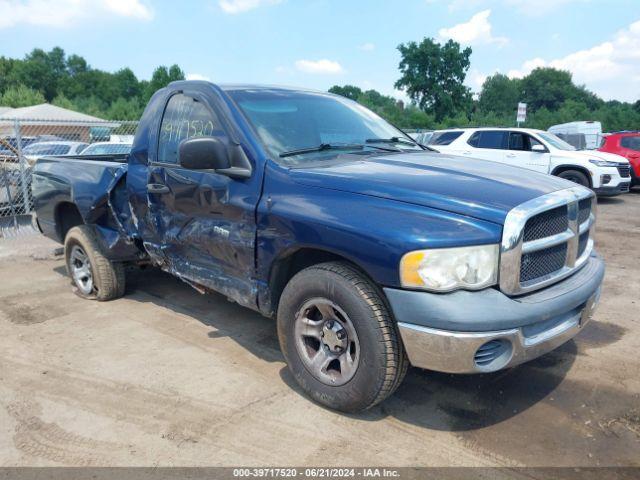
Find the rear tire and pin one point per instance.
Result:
(93, 276)
(575, 176)
(339, 340)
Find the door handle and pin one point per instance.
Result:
(157, 188)
(511, 155)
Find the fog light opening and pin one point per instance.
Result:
(493, 355)
(605, 179)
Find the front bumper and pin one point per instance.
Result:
(476, 332)
(609, 191)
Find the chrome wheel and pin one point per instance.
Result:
(327, 342)
(81, 269)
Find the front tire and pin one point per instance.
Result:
(339, 340)
(93, 276)
(575, 176)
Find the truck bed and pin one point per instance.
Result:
(94, 187)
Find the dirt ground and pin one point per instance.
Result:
(166, 376)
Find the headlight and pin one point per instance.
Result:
(446, 269)
(604, 163)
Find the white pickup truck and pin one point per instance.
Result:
(605, 173)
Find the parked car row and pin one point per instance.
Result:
(34, 150)
(588, 135)
(14, 191)
(605, 173)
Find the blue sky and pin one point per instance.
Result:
(319, 43)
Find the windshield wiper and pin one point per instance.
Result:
(403, 141)
(322, 147)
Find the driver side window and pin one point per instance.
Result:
(522, 142)
(518, 141)
(184, 117)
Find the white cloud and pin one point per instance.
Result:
(527, 67)
(367, 47)
(62, 13)
(197, 76)
(129, 8)
(474, 32)
(607, 68)
(241, 6)
(323, 66)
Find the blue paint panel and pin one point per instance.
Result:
(372, 232)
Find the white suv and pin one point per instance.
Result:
(605, 173)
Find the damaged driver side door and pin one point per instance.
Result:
(204, 221)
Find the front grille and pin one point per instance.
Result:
(582, 243)
(546, 224)
(624, 171)
(542, 262)
(584, 210)
(541, 241)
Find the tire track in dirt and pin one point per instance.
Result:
(47, 440)
(174, 417)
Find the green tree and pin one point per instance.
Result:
(348, 91)
(433, 76)
(127, 85)
(550, 88)
(76, 64)
(63, 102)
(21, 96)
(91, 105)
(41, 71)
(500, 94)
(6, 69)
(163, 76)
(123, 109)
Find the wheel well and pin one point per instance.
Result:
(67, 216)
(564, 168)
(286, 267)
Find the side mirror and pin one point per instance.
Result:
(204, 153)
(538, 148)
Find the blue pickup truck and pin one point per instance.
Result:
(371, 251)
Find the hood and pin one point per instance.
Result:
(587, 155)
(476, 188)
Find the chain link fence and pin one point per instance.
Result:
(24, 141)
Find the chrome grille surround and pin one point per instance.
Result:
(513, 246)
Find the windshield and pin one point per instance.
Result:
(107, 149)
(555, 141)
(47, 149)
(287, 121)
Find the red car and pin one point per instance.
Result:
(626, 144)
